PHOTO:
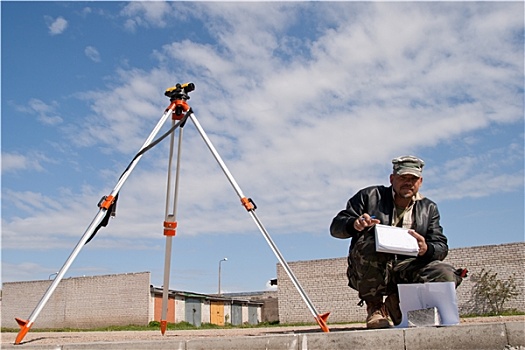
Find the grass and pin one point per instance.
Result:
(512, 312)
(154, 325)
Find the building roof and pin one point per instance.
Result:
(212, 297)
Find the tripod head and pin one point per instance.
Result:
(180, 91)
(178, 95)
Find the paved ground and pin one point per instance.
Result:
(496, 333)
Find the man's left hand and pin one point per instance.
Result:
(420, 242)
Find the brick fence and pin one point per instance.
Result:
(325, 283)
(76, 302)
(123, 299)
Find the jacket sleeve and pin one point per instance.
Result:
(341, 226)
(431, 229)
(343, 223)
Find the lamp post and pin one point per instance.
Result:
(220, 261)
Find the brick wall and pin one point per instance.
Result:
(123, 299)
(81, 302)
(325, 283)
(270, 310)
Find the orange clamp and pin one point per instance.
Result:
(179, 107)
(248, 204)
(170, 228)
(106, 202)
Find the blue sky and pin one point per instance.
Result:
(306, 102)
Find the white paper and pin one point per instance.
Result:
(395, 240)
(418, 296)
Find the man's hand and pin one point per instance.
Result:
(365, 221)
(420, 242)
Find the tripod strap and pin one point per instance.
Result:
(105, 221)
(180, 123)
(111, 211)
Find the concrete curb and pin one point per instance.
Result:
(493, 336)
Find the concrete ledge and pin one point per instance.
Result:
(515, 333)
(490, 336)
(363, 339)
(493, 336)
(131, 345)
(274, 342)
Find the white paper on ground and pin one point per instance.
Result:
(418, 296)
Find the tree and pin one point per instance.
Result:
(490, 293)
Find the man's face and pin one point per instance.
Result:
(405, 186)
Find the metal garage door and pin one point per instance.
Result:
(193, 311)
(252, 314)
(236, 314)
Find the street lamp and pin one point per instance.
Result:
(220, 261)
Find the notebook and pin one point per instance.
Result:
(395, 240)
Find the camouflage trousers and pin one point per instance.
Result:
(375, 275)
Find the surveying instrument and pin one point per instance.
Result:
(180, 112)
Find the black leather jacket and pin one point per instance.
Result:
(378, 201)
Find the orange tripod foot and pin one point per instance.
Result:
(321, 321)
(163, 326)
(24, 328)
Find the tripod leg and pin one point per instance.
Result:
(25, 325)
(321, 319)
(170, 224)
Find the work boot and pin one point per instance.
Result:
(392, 308)
(376, 315)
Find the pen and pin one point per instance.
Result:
(372, 217)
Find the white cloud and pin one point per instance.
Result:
(126, 122)
(14, 162)
(45, 112)
(300, 133)
(87, 10)
(92, 53)
(11, 162)
(146, 13)
(496, 171)
(390, 73)
(23, 271)
(56, 26)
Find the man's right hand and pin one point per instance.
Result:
(365, 221)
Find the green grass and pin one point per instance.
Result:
(154, 325)
(512, 312)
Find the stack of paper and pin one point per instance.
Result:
(395, 240)
(424, 317)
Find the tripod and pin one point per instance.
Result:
(180, 112)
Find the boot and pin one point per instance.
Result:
(376, 315)
(392, 308)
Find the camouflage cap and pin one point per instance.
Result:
(408, 165)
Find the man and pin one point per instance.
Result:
(375, 275)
